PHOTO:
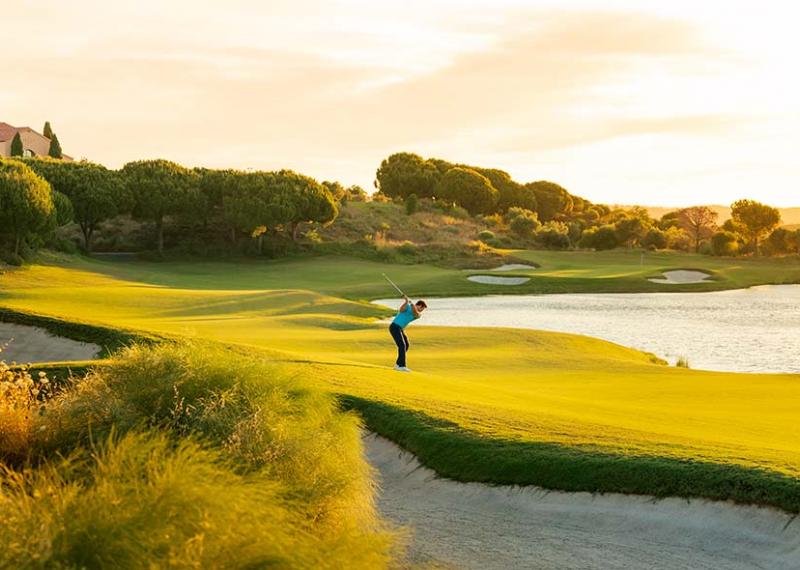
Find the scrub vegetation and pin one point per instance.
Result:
(486, 404)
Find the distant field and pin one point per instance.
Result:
(496, 405)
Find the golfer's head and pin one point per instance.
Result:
(421, 305)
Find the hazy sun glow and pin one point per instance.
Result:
(619, 101)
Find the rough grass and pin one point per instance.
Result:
(145, 501)
(209, 459)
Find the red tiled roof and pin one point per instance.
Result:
(7, 132)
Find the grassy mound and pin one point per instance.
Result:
(185, 457)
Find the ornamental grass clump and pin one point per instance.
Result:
(22, 396)
(210, 425)
(143, 500)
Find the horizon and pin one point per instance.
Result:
(643, 103)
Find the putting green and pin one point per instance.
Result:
(511, 387)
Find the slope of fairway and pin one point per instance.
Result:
(558, 272)
(500, 405)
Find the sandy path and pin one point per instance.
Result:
(478, 526)
(32, 344)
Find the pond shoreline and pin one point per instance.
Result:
(739, 330)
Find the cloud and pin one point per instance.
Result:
(331, 95)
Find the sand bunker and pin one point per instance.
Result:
(471, 525)
(492, 280)
(681, 277)
(513, 267)
(32, 344)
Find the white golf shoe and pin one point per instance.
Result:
(402, 368)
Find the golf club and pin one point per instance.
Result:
(393, 285)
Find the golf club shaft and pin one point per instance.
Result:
(393, 285)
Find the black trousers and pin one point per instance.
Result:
(401, 340)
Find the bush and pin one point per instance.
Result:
(412, 204)
(655, 239)
(493, 221)
(599, 238)
(13, 259)
(407, 248)
(724, 243)
(313, 236)
(486, 235)
(522, 222)
(553, 235)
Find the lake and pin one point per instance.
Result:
(744, 330)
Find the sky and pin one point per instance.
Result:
(626, 102)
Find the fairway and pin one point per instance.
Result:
(500, 405)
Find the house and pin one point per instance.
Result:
(33, 143)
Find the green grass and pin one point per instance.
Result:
(585, 401)
(356, 279)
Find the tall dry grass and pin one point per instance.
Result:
(205, 459)
(22, 396)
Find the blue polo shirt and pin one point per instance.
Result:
(403, 318)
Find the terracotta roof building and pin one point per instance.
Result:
(33, 143)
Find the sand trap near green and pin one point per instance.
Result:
(25, 344)
(513, 267)
(681, 277)
(473, 525)
(497, 280)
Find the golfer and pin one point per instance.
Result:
(407, 313)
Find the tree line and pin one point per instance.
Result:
(550, 216)
(477, 189)
(38, 195)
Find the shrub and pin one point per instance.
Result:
(724, 243)
(678, 239)
(682, 362)
(493, 221)
(599, 238)
(313, 236)
(13, 259)
(407, 248)
(486, 235)
(655, 239)
(522, 222)
(412, 204)
(553, 235)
